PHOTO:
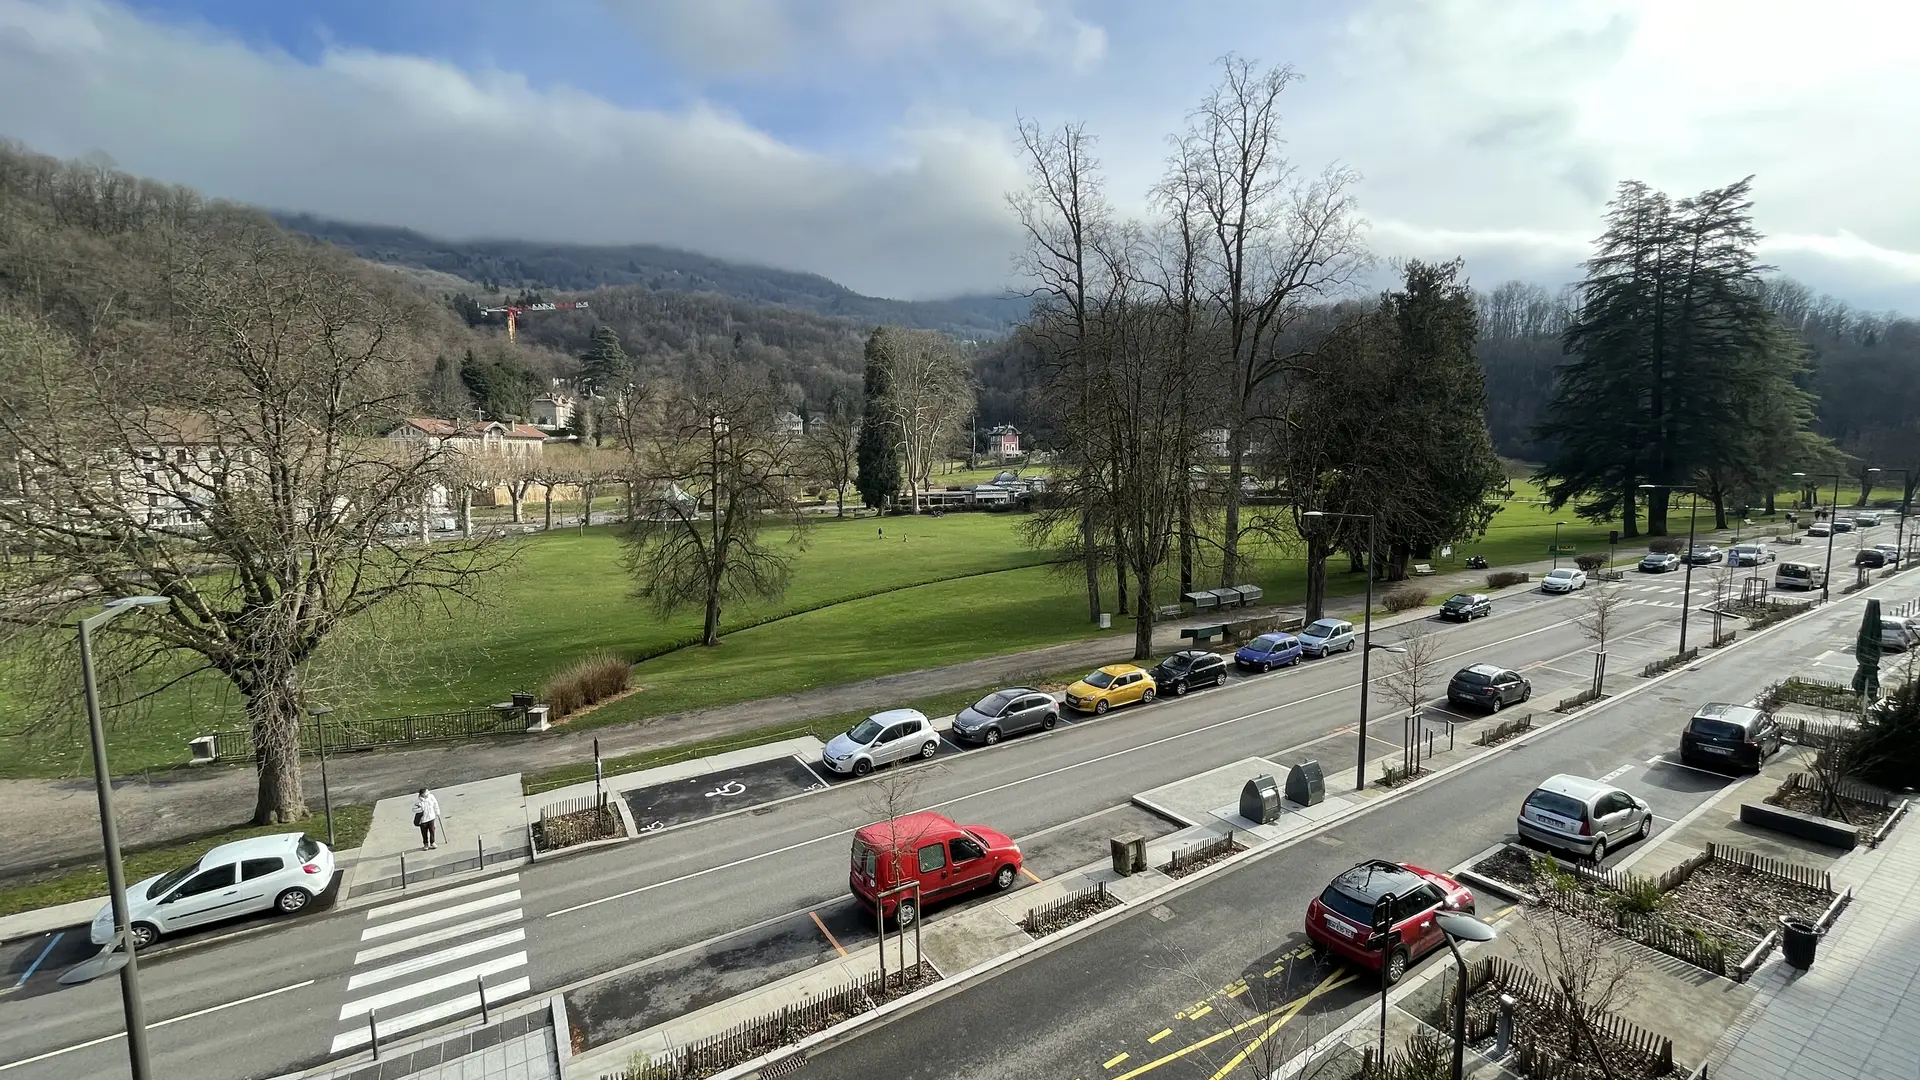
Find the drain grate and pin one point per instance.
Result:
(786, 1067)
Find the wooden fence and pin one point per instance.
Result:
(1533, 1061)
(1846, 789)
(1617, 880)
(1054, 914)
(577, 821)
(1762, 864)
(1505, 729)
(1669, 663)
(1182, 861)
(1813, 734)
(762, 1034)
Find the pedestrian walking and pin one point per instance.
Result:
(882, 530)
(426, 814)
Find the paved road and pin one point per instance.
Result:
(677, 902)
(1153, 993)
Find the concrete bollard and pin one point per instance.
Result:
(1503, 1032)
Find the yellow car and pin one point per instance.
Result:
(1115, 684)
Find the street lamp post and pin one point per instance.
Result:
(1826, 585)
(1455, 925)
(1556, 544)
(319, 714)
(1686, 591)
(1900, 524)
(130, 1003)
(1366, 646)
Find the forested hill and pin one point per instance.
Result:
(509, 266)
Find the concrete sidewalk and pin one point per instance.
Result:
(1854, 1015)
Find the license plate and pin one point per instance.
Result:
(1718, 749)
(1341, 928)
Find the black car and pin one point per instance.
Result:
(1465, 607)
(1870, 558)
(1722, 735)
(1705, 555)
(1488, 687)
(1184, 671)
(1659, 562)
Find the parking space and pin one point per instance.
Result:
(1078, 843)
(661, 806)
(31, 966)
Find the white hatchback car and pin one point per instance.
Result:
(283, 872)
(1565, 579)
(882, 739)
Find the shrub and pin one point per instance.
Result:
(1550, 877)
(583, 683)
(1671, 545)
(1590, 562)
(1500, 579)
(1404, 599)
(1639, 895)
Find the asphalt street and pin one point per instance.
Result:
(1155, 993)
(721, 903)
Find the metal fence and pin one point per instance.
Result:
(343, 737)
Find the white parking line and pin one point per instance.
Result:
(807, 765)
(445, 894)
(1662, 759)
(1616, 774)
(401, 926)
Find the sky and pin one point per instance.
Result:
(872, 141)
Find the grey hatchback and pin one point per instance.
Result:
(1006, 712)
(1573, 813)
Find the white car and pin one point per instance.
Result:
(1327, 636)
(1565, 579)
(1820, 528)
(882, 739)
(283, 872)
(1750, 555)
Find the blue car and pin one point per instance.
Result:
(1268, 651)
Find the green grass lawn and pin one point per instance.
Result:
(932, 591)
(82, 882)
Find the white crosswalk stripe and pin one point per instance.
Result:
(433, 956)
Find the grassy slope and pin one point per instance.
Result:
(569, 596)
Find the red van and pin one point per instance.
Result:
(945, 858)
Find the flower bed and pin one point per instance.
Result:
(1546, 1042)
(555, 831)
(1749, 901)
(1064, 912)
(1855, 807)
(1202, 856)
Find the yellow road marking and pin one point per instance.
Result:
(1116, 1060)
(1158, 1035)
(830, 938)
(1034, 876)
(1237, 991)
(1200, 1012)
(1234, 1061)
(1326, 985)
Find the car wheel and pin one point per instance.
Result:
(144, 934)
(1221, 679)
(1527, 694)
(1498, 703)
(1396, 966)
(292, 900)
(1599, 848)
(1180, 688)
(862, 767)
(1349, 647)
(1047, 722)
(993, 735)
(1646, 826)
(906, 914)
(930, 749)
(1100, 707)
(1004, 879)
(1266, 666)
(1147, 697)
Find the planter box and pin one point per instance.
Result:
(1805, 826)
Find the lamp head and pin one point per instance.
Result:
(1462, 927)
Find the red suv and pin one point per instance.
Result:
(944, 858)
(1342, 920)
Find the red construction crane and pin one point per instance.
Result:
(513, 312)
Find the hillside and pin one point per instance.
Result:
(505, 266)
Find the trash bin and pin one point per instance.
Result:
(204, 749)
(522, 701)
(1306, 785)
(1798, 941)
(1106, 620)
(1260, 800)
(1129, 854)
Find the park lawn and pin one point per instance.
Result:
(67, 884)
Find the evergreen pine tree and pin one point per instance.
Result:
(879, 459)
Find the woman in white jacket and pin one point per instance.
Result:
(426, 814)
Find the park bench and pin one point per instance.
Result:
(1200, 635)
(1422, 569)
(1169, 611)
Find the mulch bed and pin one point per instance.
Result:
(579, 827)
(1726, 897)
(1183, 868)
(1060, 918)
(1507, 865)
(1862, 815)
(1402, 778)
(1549, 1029)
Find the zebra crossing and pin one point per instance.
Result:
(426, 959)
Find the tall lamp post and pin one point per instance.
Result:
(136, 1019)
(1366, 639)
(1686, 591)
(1458, 926)
(1826, 585)
(1556, 544)
(1900, 523)
(319, 714)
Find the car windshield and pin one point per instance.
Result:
(1267, 643)
(1561, 575)
(1470, 677)
(1177, 662)
(1346, 905)
(1460, 598)
(1555, 803)
(1099, 680)
(993, 704)
(1796, 570)
(866, 731)
(1323, 628)
(171, 878)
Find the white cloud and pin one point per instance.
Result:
(829, 39)
(402, 140)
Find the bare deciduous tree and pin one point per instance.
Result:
(1603, 607)
(223, 448)
(714, 471)
(890, 800)
(929, 394)
(1408, 681)
(831, 451)
(1585, 967)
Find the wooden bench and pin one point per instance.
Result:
(1169, 611)
(1422, 569)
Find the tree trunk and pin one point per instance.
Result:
(1355, 564)
(1186, 527)
(1119, 569)
(586, 499)
(1143, 617)
(547, 490)
(1236, 469)
(711, 635)
(1630, 512)
(466, 514)
(840, 500)
(519, 496)
(1719, 510)
(1090, 558)
(273, 712)
(1770, 510)
(1658, 502)
(1316, 579)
